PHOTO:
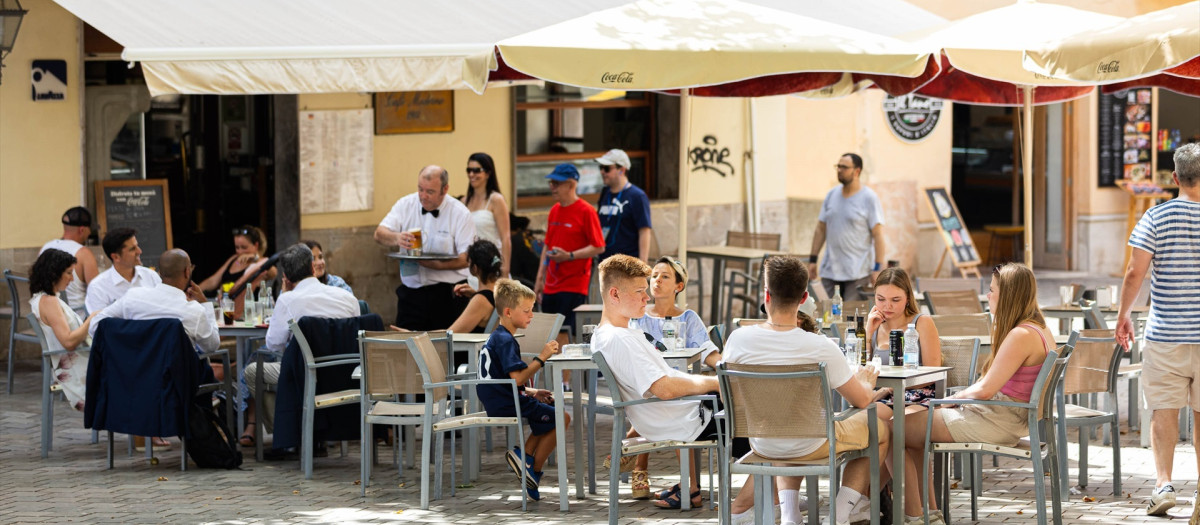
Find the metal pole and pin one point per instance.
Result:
(1027, 170)
(685, 109)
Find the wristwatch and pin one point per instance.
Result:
(571, 255)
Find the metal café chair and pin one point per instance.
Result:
(969, 325)
(18, 289)
(953, 302)
(1092, 370)
(753, 395)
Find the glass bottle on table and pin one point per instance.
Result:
(835, 305)
(860, 330)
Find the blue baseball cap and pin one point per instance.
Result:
(564, 172)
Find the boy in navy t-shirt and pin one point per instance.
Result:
(500, 358)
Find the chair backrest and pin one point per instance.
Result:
(1094, 362)
(1094, 316)
(543, 329)
(962, 354)
(739, 322)
(388, 367)
(1049, 378)
(363, 307)
(953, 302)
(425, 355)
(942, 284)
(18, 290)
(754, 393)
(493, 320)
(962, 324)
(762, 241)
(602, 366)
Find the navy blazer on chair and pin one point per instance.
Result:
(141, 378)
(325, 337)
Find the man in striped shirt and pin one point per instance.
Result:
(1168, 236)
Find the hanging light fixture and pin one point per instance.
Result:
(10, 22)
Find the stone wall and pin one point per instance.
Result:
(1100, 244)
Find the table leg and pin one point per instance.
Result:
(592, 382)
(243, 354)
(898, 454)
(577, 425)
(560, 436)
(471, 453)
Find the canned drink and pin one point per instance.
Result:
(896, 347)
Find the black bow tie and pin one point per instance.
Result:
(431, 212)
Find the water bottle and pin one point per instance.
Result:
(670, 331)
(852, 355)
(912, 353)
(835, 306)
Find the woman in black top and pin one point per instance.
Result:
(250, 247)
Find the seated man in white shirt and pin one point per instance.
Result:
(180, 298)
(303, 296)
(640, 371)
(780, 342)
(126, 273)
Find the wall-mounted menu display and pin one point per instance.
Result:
(1125, 136)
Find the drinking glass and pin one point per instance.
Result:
(877, 362)
(1065, 293)
(586, 333)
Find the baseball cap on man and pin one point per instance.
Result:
(77, 216)
(564, 172)
(614, 156)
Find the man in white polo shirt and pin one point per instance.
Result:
(126, 273)
(77, 227)
(425, 298)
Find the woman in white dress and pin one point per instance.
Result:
(51, 273)
(488, 208)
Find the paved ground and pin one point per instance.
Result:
(73, 486)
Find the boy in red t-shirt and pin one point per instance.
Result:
(572, 238)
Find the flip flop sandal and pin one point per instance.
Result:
(247, 437)
(627, 463)
(673, 502)
(673, 491)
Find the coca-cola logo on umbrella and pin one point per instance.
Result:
(912, 117)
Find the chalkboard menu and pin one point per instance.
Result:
(1124, 136)
(139, 204)
(953, 229)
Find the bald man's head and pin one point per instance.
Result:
(432, 184)
(173, 264)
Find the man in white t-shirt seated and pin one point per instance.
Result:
(77, 227)
(780, 342)
(127, 272)
(178, 298)
(640, 371)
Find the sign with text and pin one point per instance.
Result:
(912, 117)
(954, 230)
(143, 205)
(48, 78)
(414, 112)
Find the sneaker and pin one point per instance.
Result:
(747, 518)
(935, 518)
(860, 512)
(531, 486)
(1161, 500)
(513, 457)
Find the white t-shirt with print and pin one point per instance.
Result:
(760, 345)
(637, 365)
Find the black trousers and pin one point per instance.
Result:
(433, 307)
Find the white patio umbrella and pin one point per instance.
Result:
(1130, 49)
(982, 57)
(709, 48)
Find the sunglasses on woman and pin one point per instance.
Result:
(474, 170)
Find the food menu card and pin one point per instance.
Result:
(1125, 136)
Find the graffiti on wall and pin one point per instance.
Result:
(710, 157)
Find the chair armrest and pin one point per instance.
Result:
(333, 357)
(343, 360)
(431, 386)
(850, 412)
(623, 404)
(935, 402)
(215, 353)
(457, 377)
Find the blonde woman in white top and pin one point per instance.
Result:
(489, 210)
(50, 275)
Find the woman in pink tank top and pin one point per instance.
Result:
(1020, 342)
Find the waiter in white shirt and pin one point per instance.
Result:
(126, 273)
(180, 298)
(425, 298)
(77, 227)
(303, 296)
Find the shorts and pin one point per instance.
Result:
(1171, 375)
(563, 303)
(539, 414)
(998, 425)
(738, 446)
(850, 434)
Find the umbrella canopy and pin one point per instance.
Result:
(1183, 79)
(982, 53)
(311, 46)
(672, 44)
(1126, 50)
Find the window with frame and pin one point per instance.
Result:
(557, 124)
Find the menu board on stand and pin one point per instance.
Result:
(954, 233)
(143, 205)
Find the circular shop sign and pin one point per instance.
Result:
(912, 117)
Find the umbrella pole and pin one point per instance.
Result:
(1027, 169)
(685, 110)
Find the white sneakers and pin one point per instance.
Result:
(1161, 500)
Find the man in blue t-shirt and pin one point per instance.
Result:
(624, 209)
(500, 358)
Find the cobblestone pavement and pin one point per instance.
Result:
(72, 485)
